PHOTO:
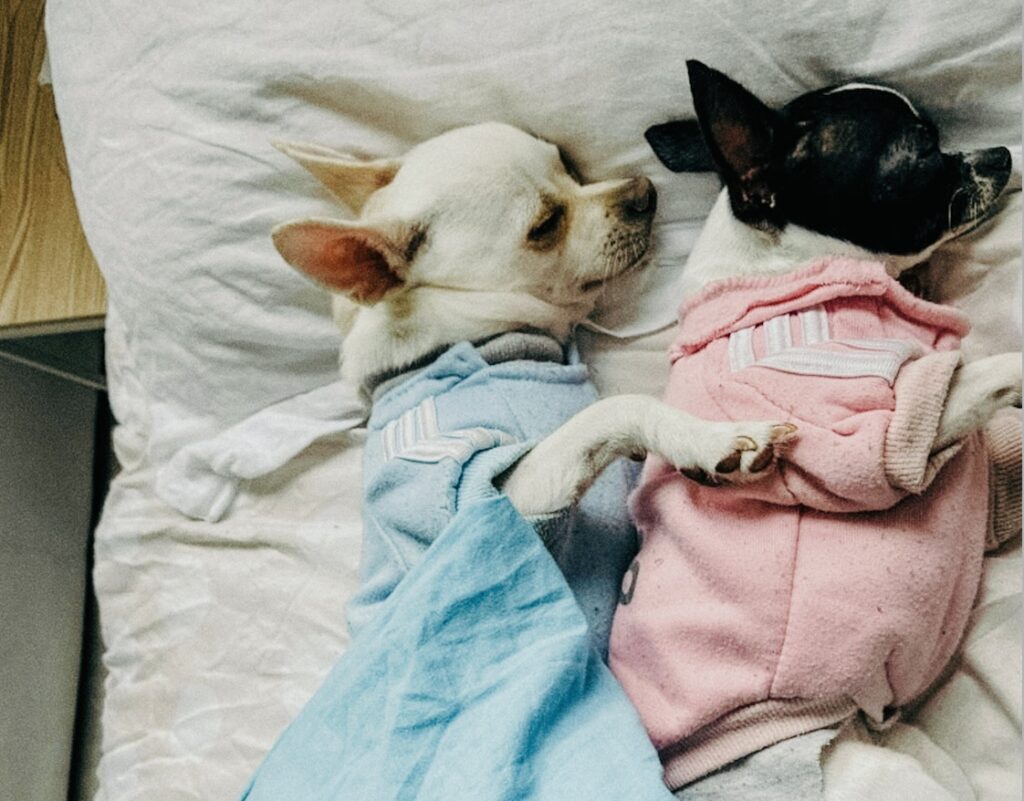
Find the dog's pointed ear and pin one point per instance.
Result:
(680, 146)
(743, 136)
(350, 179)
(365, 262)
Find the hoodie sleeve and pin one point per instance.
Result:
(871, 459)
(921, 389)
(863, 443)
(860, 365)
(1002, 438)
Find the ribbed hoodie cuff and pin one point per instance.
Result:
(922, 387)
(746, 731)
(1003, 443)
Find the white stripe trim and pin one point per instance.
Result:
(416, 436)
(390, 442)
(814, 325)
(482, 437)
(432, 452)
(835, 364)
(415, 425)
(741, 349)
(901, 347)
(428, 415)
(778, 334)
(871, 357)
(407, 427)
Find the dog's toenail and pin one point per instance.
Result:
(730, 463)
(699, 475)
(745, 444)
(762, 460)
(638, 456)
(783, 431)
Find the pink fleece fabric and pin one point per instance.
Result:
(757, 612)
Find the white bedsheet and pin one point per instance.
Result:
(216, 634)
(168, 108)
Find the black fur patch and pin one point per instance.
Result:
(855, 163)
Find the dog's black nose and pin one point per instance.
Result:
(993, 159)
(1001, 158)
(639, 198)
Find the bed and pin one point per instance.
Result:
(219, 624)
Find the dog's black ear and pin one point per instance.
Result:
(743, 136)
(679, 145)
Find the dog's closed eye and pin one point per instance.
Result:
(545, 231)
(413, 244)
(570, 167)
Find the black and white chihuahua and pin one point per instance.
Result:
(843, 582)
(852, 170)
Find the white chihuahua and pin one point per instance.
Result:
(457, 288)
(485, 230)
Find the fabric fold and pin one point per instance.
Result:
(202, 480)
(476, 680)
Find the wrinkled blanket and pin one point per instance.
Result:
(476, 681)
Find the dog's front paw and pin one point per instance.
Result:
(736, 453)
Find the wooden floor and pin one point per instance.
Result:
(48, 277)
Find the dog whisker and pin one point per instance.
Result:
(949, 209)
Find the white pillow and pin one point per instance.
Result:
(168, 108)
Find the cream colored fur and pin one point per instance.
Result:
(480, 231)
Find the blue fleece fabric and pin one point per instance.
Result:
(476, 682)
(421, 465)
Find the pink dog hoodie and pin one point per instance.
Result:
(756, 613)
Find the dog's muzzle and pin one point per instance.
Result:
(638, 200)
